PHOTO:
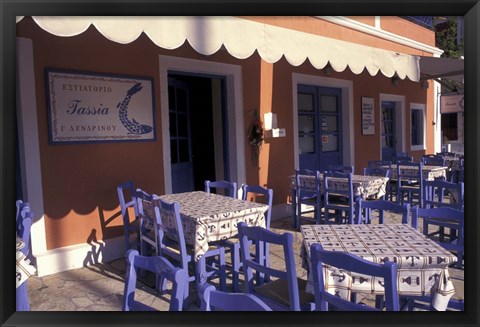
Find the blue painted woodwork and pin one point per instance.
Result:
(388, 130)
(159, 266)
(447, 218)
(127, 196)
(230, 188)
(284, 293)
(23, 223)
(213, 300)
(320, 127)
(339, 199)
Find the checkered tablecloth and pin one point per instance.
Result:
(209, 217)
(364, 186)
(429, 172)
(422, 264)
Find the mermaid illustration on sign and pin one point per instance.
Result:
(132, 126)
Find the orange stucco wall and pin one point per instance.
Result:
(79, 180)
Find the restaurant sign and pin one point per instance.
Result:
(451, 103)
(85, 107)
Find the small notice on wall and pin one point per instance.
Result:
(368, 116)
(451, 103)
(87, 107)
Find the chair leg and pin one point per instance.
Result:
(222, 274)
(235, 257)
(294, 208)
(161, 283)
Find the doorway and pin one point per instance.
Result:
(388, 130)
(319, 127)
(198, 129)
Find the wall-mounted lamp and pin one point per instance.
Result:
(395, 80)
(328, 70)
(424, 84)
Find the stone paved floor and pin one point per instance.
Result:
(100, 287)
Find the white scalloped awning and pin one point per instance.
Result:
(241, 38)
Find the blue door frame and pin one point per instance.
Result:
(319, 127)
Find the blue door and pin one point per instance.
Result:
(180, 140)
(319, 127)
(388, 130)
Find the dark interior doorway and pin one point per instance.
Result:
(201, 124)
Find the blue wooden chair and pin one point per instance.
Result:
(213, 300)
(436, 193)
(461, 172)
(349, 262)
(341, 169)
(365, 209)
(159, 266)
(230, 188)
(310, 196)
(401, 156)
(233, 244)
(338, 196)
(171, 239)
(379, 163)
(284, 293)
(433, 160)
(376, 171)
(23, 223)
(447, 218)
(447, 154)
(127, 197)
(161, 233)
(408, 184)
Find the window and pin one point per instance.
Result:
(418, 126)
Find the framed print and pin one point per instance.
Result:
(89, 107)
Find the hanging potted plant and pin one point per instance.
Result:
(255, 135)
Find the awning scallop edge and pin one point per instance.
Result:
(241, 38)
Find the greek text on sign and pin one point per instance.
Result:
(99, 108)
(368, 116)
